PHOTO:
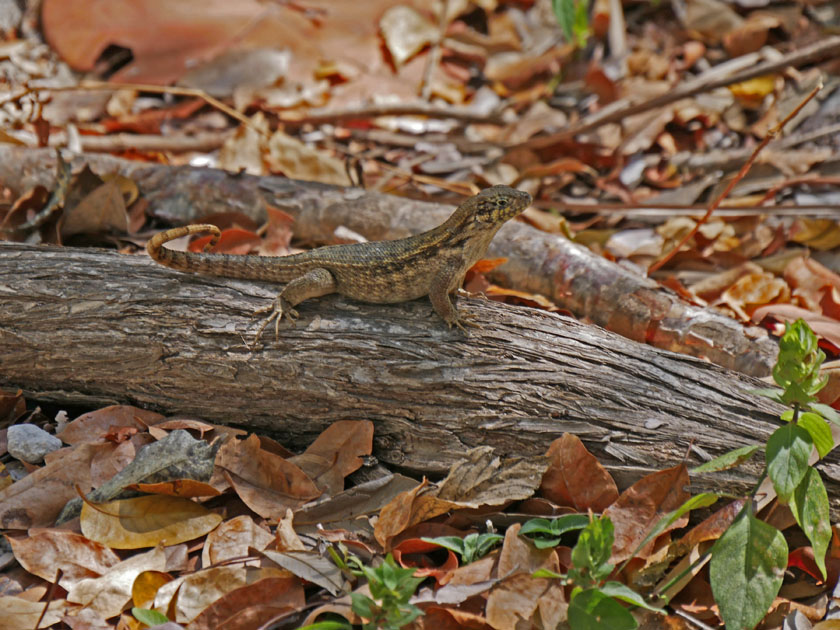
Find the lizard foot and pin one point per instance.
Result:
(464, 321)
(277, 311)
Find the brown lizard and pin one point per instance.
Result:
(432, 263)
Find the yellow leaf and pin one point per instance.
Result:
(146, 521)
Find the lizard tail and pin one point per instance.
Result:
(182, 261)
(223, 265)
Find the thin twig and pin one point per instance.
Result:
(827, 48)
(738, 177)
(140, 87)
(50, 593)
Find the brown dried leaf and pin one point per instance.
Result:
(252, 605)
(268, 484)
(484, 478)
(754, 290)
(17, 613)
(145, 587)
(576, 478)
(12, 406)
(103, 210)
(293, 158)
(92, 426)
(642, 505)
(514, 599)
(825, 327)
(336, 453)
(37, 499)
(406, 509)
(518, 555)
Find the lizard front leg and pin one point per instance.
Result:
(313, 283)
(447, 280)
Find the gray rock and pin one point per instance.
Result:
(29, 443)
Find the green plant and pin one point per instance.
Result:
(471, 547)
(390, 587)
(545, 532)
(573, 18)
(594, 602)
(749, 559)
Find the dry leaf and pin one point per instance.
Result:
(110, 594)
(44, 551)
(642, 505)
(146, 521)
(575, 478)
(406, 32)
(232, 539)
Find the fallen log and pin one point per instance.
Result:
(93, 327)
(589, 286)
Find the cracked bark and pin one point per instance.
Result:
(93, 327)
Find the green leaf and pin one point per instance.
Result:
(787, 455)
(581, 23)
(810, 509)
(594, 548)
(773, 393)
(591, 609)
(455, 544)
(727, 460)
(548, 532)
(363, 605)
(827, 412)
(797, 368)
(819, 431)
(746, 570)
(623, 592)
(564, 11)
(149, 617)
(547, 573)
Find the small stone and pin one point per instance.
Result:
(29, 443)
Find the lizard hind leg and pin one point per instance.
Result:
(313, 283)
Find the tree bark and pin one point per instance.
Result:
(93, 327)
(589, 286)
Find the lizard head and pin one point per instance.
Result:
(496, 204)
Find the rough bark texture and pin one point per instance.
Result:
(92, 327)
(589, 286)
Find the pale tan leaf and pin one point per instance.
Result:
(232, 539)
(146, 521)
(46, 550)
(20, 614)
(110, 594)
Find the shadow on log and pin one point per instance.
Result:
(92, 327)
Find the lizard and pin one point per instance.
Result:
(432, 263)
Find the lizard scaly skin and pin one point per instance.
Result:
(432, 263)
